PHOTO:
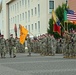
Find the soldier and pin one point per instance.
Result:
(68, 44)
(17, 44)
(11, 46)
(29, 44)
(53, 45)
(3, 51)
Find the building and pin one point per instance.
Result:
(72, 4)
(32, 14)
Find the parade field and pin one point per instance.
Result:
(37, 65)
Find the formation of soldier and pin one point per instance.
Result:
(69, 44)
(44, 44)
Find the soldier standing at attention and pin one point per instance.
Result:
(3, 51)
(29, 44)
(11, 46)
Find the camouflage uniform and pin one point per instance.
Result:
(29, 44)
(12, 46)
(53, 45)
(3, 50)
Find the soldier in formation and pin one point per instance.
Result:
(29, 43)
(70, 45)
(45, 45)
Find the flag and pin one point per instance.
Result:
(70, 15)
(56, 26)
(65, 15)
(23, 34)
(15, 30)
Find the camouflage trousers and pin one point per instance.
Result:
(12, 51)
(3, 51)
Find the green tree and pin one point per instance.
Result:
(50, 29)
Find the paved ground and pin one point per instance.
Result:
(37, 65)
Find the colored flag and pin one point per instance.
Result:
(23, 34)
(56, 26)
(65, 15)
(70, 15)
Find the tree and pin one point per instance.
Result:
(50, 29)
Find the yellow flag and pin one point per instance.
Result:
(54, 16)
(23, 34)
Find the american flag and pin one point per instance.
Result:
(71, 15)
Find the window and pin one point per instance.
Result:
(35, 26)
(13, 7)
(32, 12)
(11, 20)
(29, 27)
(20, 17)
(32, 26)
(15, 19)
(26, 27)
(28, 3)
(35, 11)
(17, 7)
(38, 26)
(23, 2)
(51, 6)
(25, 16)
(38, 9)
(20, 3)
(28, 15)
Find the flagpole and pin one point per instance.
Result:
(67, 25)
(62, 26)
(31, 33)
